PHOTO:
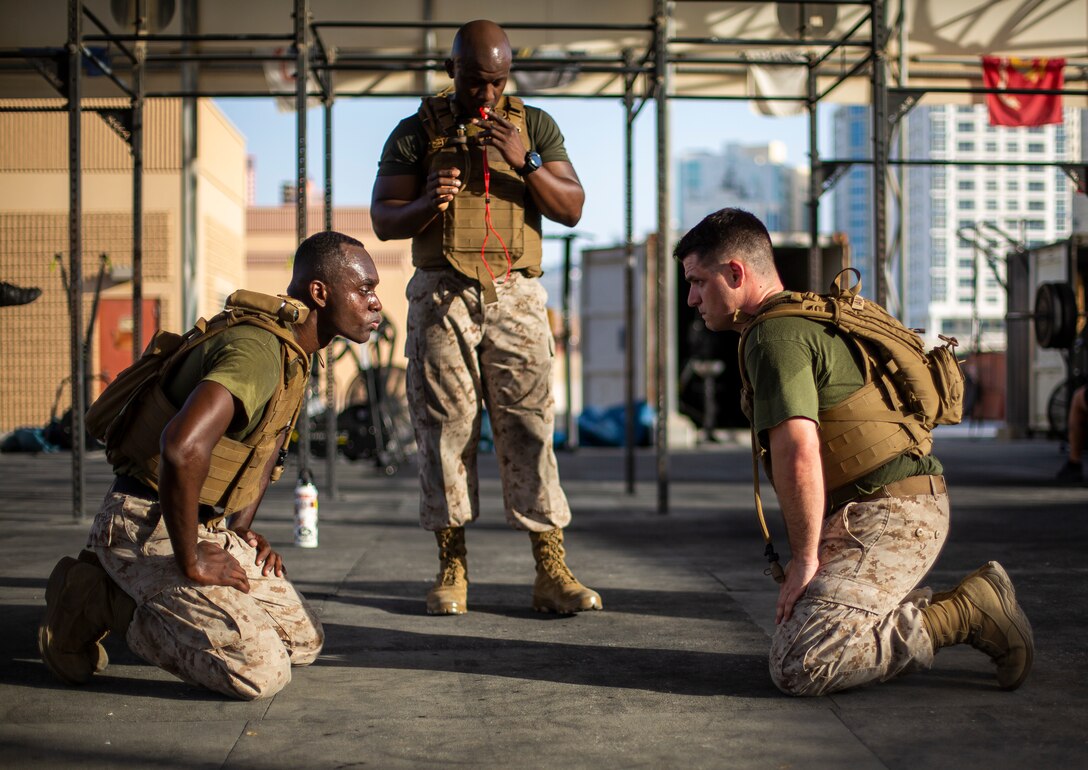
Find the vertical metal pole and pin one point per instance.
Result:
(568, 424)
(904, 182)
(815, 256)
(138, 183)
(75, 249)
(331, 445)
(190, 286)
(302, 26)
(429, 41)
(663, 345)
(880, 147)
(629, 267)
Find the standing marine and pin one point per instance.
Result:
(468, 178)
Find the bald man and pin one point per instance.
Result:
(468, 178)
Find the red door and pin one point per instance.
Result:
(115, 329)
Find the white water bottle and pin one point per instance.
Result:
(306, 511)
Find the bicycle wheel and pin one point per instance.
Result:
(1057, 410)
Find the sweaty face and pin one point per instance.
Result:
(479, 79)
(354, 310)
(710, 292)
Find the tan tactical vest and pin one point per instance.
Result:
(906, 390)
(455, 237)
(132, 412)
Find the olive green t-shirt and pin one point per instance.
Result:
(799, 367)
(406, 148)
(244, 359)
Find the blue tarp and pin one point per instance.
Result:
(606, 426)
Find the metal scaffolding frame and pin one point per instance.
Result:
(651, 68)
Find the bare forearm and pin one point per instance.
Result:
(243, 519)
(180, 505)
(559, 199)
(401, 220)
(798, 476)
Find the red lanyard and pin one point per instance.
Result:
(490, 226)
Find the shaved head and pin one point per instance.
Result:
(481, 40)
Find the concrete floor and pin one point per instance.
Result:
(672, 674)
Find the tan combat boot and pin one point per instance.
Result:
(983, 612)
(82, 605)
(449, 595)
(556, 589)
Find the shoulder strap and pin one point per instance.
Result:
(438, 121)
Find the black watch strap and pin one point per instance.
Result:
(532, 163)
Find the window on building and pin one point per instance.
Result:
(965, 224)
(1012, 185)
(939, 144)
(1035, 129)
(965, 109)
(967, 168)
(939, 221)
(991, 146)
(991, 204)
(1036, 147)
(1036, 186)
(966, 184)
(966, 127)
(1012, 146)
(1036, 224)
(956, 327)
(967, 263)
(965, 204)
(1012, 204)
(991, 184)
(938, 287)
(965, 146)
(1036, 206)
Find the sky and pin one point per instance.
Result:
(593, 129)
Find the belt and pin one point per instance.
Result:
(912, 486)
(133, 487)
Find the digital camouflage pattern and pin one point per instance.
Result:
(859, 620)
(464, 354)
(241, 645)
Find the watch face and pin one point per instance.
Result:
(532, 159)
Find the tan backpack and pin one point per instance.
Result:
(907, 389)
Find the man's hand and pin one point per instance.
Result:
(442, 185)
(504, 137)
(798, 575)
(271, 560)
(215, 567)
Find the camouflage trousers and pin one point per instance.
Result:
(463, 355)
(241, 645)
(859, 620)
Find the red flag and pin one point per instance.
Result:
(1023, 109)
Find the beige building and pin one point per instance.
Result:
(34, 193)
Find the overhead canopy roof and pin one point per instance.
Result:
(565, 47)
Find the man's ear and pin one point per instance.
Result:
(735, 272)
(319, 292)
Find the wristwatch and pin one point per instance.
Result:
(532, 163)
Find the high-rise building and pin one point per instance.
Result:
(751, 177)
(960, 219)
